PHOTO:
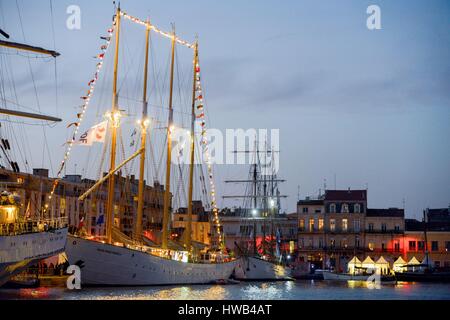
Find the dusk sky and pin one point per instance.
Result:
(369, 107)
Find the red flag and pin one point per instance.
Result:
(201, 115)
(101, 55)
(81, 223)
(197, 69)
(200, 97)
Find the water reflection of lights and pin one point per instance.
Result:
(352, 284)
(271, 291)
(37, 293)
(289, 285)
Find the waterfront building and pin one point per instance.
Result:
(88, 214)
(331, 227)
(338, 226)
(201, 225)
(437, 242)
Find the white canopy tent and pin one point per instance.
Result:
(413, 264)
(369, 263)
(353, 265)
(382, 265)
(399, 265)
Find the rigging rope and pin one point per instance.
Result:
(84, 107)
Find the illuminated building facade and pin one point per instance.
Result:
(201, 225)
(34, 190)
(338, 226)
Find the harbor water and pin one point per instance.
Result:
(291, 290)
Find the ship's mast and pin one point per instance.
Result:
(188, 237)
(255, 205)
(144, 124)
(115, 119)
(166, 215)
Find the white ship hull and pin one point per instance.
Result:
(20, 251)
(105, 264)
(328, 275)
(252, 268)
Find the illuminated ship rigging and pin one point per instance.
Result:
(116, 258)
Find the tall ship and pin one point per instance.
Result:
(29, 231)
(136, 259)
(260, 219)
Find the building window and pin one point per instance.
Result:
(311, 224)
(332, 243)
(434, 246)
(447, 246)
(356, 225)
(397, 246)
(301, 224)
(320, 224)
(383, 246)
(320, 243)
(333, 208)
(371, 246)
(344, 225)
(421, 245)
(357, 243)
(370, 227)
(62, 205)
(318, 211)
(397, 228)
(357, 208)
(344, 208)
(301, 243)
(332, 225)
(383, 227)
(412, 246)
(305, 210)
(344, 243)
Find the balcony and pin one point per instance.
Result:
(329, 231)
(385, 231)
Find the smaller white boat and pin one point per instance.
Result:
(385, 279)
(250, 268)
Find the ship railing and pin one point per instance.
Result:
(32, 226)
